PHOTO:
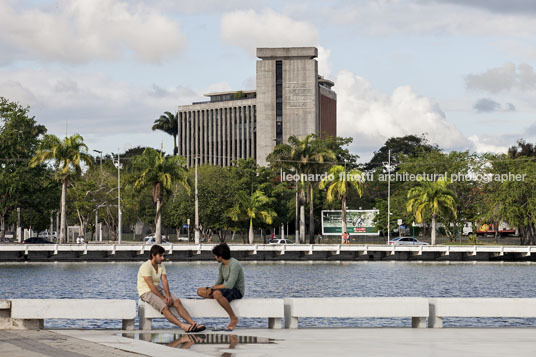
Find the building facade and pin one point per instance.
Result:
(290, 99)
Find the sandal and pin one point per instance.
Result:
(191, 328)
(199, 328)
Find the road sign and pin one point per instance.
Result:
(186, 226)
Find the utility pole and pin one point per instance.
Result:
(389, 198)
(118, 165)
(196, 228)
(99, 152)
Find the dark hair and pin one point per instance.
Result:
(222, 250)
(156, 249)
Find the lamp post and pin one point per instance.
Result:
(99, 152)
(389, 198)
(196, 228)
(119, 167)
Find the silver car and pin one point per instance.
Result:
(407, 241)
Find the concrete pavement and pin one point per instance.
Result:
(400, 342)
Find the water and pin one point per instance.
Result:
(278, 280)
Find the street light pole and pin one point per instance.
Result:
(118, 165)
(389, 198)
(196, 228)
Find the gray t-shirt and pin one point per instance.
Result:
(231, 275)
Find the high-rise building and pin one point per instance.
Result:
(290, 99)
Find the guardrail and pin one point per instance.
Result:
(271, 251)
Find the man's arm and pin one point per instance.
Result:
(233, 276)
(165, 285)
(219, 282)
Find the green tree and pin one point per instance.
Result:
(339, 182)
(431, 198)
(20, 185)
(160, 173)
(250, 207)
(169, 124)
(303, 156)
(67, 157)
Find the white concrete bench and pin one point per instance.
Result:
(31, 313)
(479, 307)
(272, 309)
(355, 307)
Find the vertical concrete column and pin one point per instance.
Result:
(231, 134)
(203, 136)
(211, 137)
(248, 134)
(225, 137)
(195, 135)
(188, 149)
(243, 132)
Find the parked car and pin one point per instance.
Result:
(281, 241)
(36, 240)
(182, 239)
(152, 240)
(406, 241)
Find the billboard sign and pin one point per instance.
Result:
(359, 222)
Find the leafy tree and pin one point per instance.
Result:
(160, 173)
(431, 198)
(169, 124)
(250, 207)
(303, 156)
(343, 181)
(67, 157)
(21, 185)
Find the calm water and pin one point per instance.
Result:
(278, 280)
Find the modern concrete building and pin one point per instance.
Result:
(290, 99)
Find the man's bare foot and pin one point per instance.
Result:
(232, 324)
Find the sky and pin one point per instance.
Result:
(461, 72)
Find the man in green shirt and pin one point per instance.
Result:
(149, 276)
(230, 284)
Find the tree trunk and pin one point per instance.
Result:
(63, 220)
(175, 147)
(311, 216)
(344, 225)
(251, 231)
(433, 230)
(3, 224)
(158, 221)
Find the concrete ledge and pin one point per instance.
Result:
(479, 307)
(272, 309)
(416, 308)
(30, 313)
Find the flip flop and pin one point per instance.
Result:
(199, 328)
(192, 328)
(228, 329)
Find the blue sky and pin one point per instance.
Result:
(460, 71)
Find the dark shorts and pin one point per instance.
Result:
(231, 294)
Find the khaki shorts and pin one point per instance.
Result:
(155, 301)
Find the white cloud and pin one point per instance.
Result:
(482, 145)
(106, 112)
(371, 117)
(505, 78)
(79, 31)
(248, 29)
(324, 66)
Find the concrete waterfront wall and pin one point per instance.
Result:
(265, 252)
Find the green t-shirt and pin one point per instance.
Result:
(231, 275)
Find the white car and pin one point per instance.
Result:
(150, 240)
(281, 241)
(406, 241)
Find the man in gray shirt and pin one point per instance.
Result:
(230, 284)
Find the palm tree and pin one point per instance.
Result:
(169, 124)
(251, 207)
(67, 156)
(160, 172)
(339, 182)
(433, 199)
(303, 155)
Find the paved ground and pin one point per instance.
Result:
(398, 342)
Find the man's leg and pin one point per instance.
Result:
(182, 311)
(171, 318)
(218, 296)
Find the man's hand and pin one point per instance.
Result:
(168, 301)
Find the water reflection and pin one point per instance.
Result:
(221, 342)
